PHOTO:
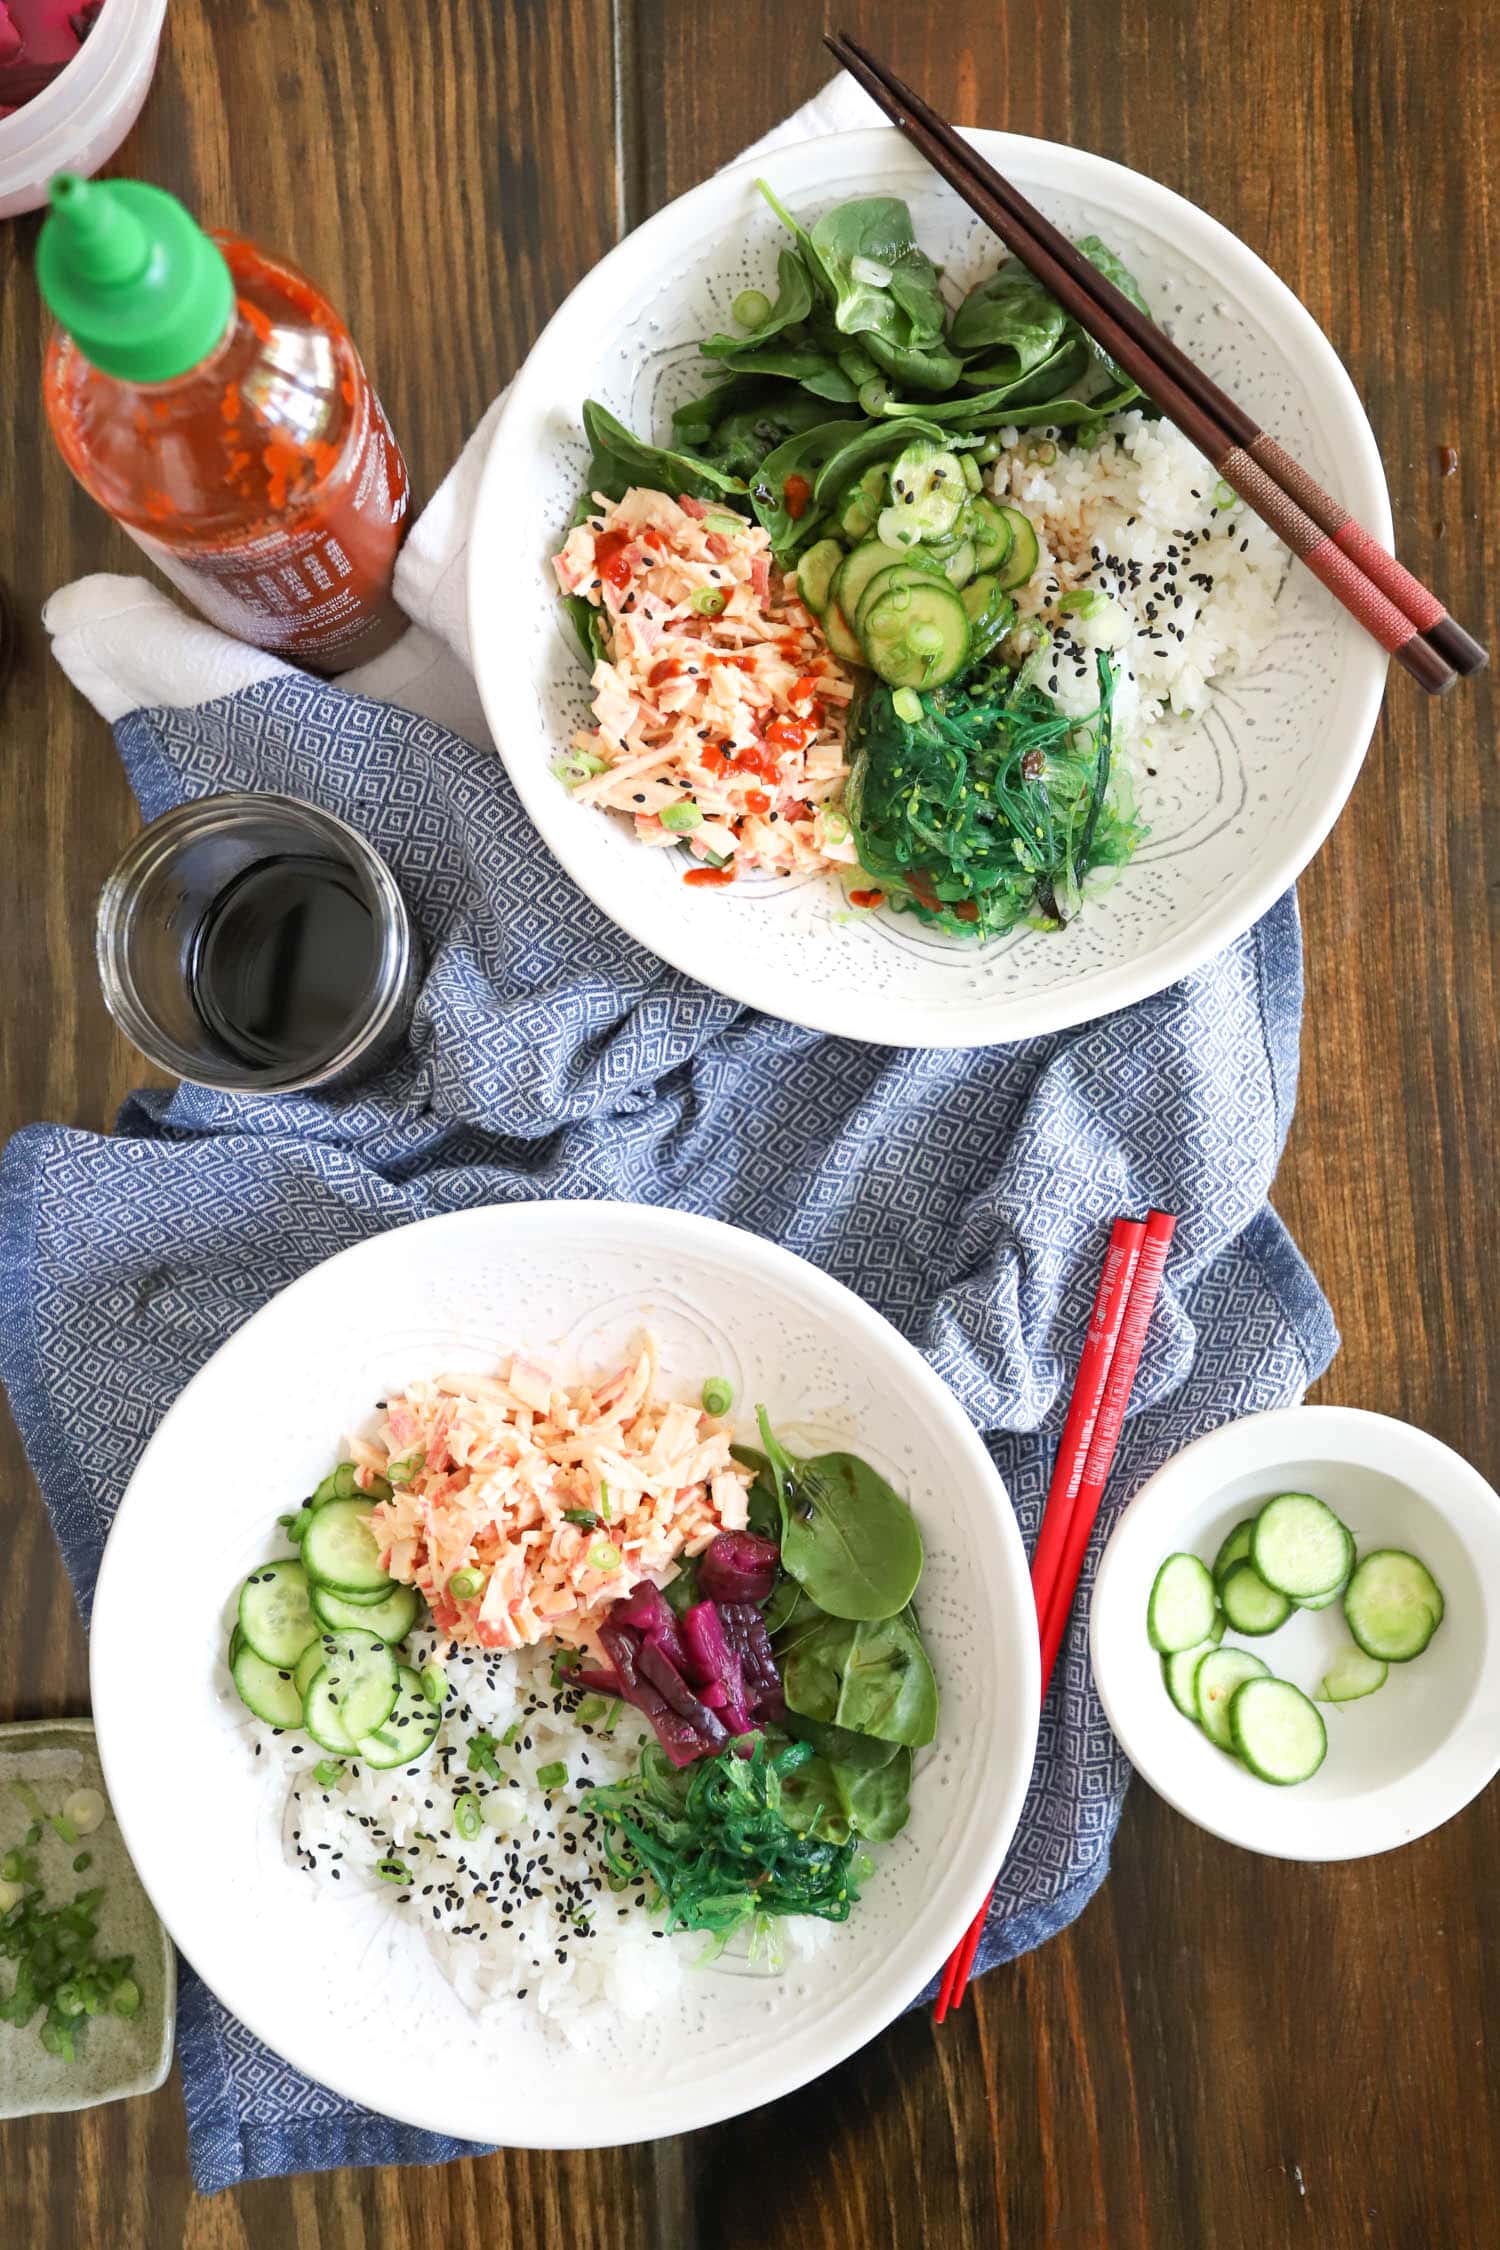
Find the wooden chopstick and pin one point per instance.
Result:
(1126, 1298)
(1370, 584)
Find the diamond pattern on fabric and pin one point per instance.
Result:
(966, 1195)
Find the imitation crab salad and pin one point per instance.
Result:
(564, 1670)
(918, 595)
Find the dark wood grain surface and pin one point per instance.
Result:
(1224, 2051)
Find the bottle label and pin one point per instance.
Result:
(316, 587)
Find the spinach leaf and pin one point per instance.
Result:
(620, 460)
(812, 1802)
(909, 307)
(863, 446)
(1011, 319)
(872, 1677)
(736, 424)
(919, 367)
(802, 455)
(586, 618)
(804, 363)
(838, 1745)
(1113, 269)
(849, 1539)
(794, 302)
(816, 271)
(682, 1591)
(876, 1801)
(787, 1602)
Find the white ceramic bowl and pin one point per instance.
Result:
(1235, 815)
(1399, 1762)
(343, 1984)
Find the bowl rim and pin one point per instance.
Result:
(1185, 946)
(1354, 1828)
(882, 2001)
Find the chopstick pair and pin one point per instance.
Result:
(1395, 608)
(1123, 1304)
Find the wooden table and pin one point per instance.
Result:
(1224, 2051)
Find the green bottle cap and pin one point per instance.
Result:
(134, 280)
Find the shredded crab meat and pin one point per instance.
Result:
(727, 719)
(491, 1475)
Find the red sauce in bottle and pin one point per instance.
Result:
(264, 482)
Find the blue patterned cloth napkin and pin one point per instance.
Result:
(966, 1195)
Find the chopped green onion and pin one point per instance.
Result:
(718, 1395)
(392, 1871)
(510, 1736)
(578, 765)
(326, 1772)
(16, 1867)
(434, 1683)
(613, 1720)
(297, 1525)
(679, 817)
(1225, 495)
(339, 1484)
(708, 601)
(464, 1585)
(284, 1522)
(564, 1661)
(552, 1776)
(907, 705)
(591, 1710)
(989, 450)
(38, 1811)
(970, 468)
(835, 826)
(1084, 601)
(402, 1471)
(467, 1817)
(481, 1758)
(584, 1516)
(1042, 451)
(604, 1555)
(127, 1997)
(751, 308)
(874, 395)
(503, 1810)
(604, 1507)
(723, 523)
(83, 1863)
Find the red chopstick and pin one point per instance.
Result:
(1128, 1288)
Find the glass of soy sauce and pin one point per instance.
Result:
(257, 945)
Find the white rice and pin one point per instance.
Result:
(521, 1917)
(1191, 573)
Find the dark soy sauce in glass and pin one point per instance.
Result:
(284, 961)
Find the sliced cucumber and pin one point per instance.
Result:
(1182, 1605)
(1236, 1548)
(816, 572)
(391, 1619)
(916, 570)
(857, 570)
(863, 502)
(1219, 1674)
(1180, 1670)
(1250, 1605)
(1024, 553)
(408, 1732)
(340, 1550)
(1300, 1547)
(1393, 1605)
(236, 1643)
(990, 612)
(266, 1689)
(275, 1615)
(309, 1664)
(320, 1716)
(992, 532)
(958, 567)
(1351, 1676)
(916, 635)
(1278, 1733)
(840, 636)
(927, 495)
(358, 1680)
(1323, 1601)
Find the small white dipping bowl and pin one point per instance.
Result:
(1402, 1760)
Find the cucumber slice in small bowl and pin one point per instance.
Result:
(1179, 1671)
(1352, 1676)
(1182, 1606)
(1277, 1731)
(1250, 1605)
(1235, 1548)
(1217, 1680)
(1300, 1547)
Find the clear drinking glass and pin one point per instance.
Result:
(179, 931)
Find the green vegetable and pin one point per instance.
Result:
(401, 1472)
(715, 1843)
(58, 1965)
(392, 1871)
(326, 1772)
(1011, 319)
(870, 1676)
(582, 1516)
(552, 1776)
(58, 1822)
(718, 1395)
(994, 809)
(708, 601)
(468, 1818)
(297, 1524)
(339, 1484)
(482, 1751)
(754, 312)
(907, 705)
(876, 230)
(752, 307)
(849, 1539)
(604, 1555)
(591, 1709)
(620, 460)
(680, 818)
(435, 1685)
(464, 1585)
(604, 1507)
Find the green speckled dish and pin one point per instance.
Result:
(115, 2057)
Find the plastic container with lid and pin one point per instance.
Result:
(79, 121)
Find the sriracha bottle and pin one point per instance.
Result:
(209, 398)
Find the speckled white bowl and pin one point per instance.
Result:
(1235, 815)
(1399, 1762)
(342, 1983)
